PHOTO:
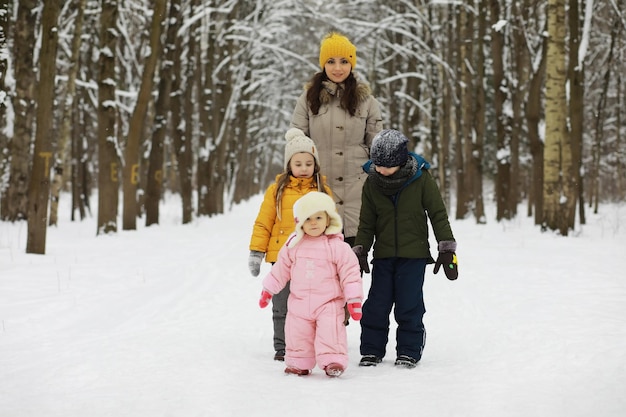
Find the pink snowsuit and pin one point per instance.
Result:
(324, 274)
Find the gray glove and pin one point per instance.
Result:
(254, 262)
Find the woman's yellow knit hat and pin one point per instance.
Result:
(335, 44)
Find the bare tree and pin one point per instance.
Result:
(4, 91)
(503, 155)
(218, 98)
(601, 117)
(476, 160)
(108, 157)
(183, 105)
(15, 197)
(576, 80)
(465, 94)
(154, 186)
(534, 113)
(62, 160)
(518, 86)
(39, 187)
(137, 122)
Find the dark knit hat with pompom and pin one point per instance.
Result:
(389, 149)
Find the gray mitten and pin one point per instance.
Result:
(254, 262)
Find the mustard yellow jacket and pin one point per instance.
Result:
(270, 232)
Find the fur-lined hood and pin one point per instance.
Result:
(363, 91)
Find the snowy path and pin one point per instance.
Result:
(165, 322)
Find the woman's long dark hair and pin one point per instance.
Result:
(349, 99)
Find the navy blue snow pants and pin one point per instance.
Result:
(399, 282)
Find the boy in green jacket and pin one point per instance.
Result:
(398, 197)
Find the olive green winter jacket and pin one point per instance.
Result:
(399, 222)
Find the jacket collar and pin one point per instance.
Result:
(421, 164)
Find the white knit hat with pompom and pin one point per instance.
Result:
(309, 204)
(298, 142)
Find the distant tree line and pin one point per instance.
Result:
(138, 97)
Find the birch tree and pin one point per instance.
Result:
(556, 147)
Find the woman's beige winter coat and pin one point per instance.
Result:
(343, 143)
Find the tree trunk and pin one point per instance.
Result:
(15, 198)
(621, 189)
(533, 118)
(39, 187)
(503, 156)
(4, 93)
(435, 93)
(600, 119)
(556, 107)
(108, 162)
(464, 114)
(476, 160)
(447, 125)
(62, 162)
(576, 115)
(520, 60)
(182, 110)
(81, 187)
(243, 166)
(222, 97)
(138, 118)
(154, 187)
(206, 111)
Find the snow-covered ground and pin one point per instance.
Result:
(164, 321)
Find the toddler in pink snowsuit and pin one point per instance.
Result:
(325, 275)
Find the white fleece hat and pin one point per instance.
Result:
(298, 142)
(309, 204)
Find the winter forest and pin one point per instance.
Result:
(114, 103)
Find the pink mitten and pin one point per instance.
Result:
(355, 310)
(265, 299)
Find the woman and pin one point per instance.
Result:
(342, 117)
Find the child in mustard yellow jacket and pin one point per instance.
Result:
(275, 221)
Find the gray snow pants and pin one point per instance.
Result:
(279, 313)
